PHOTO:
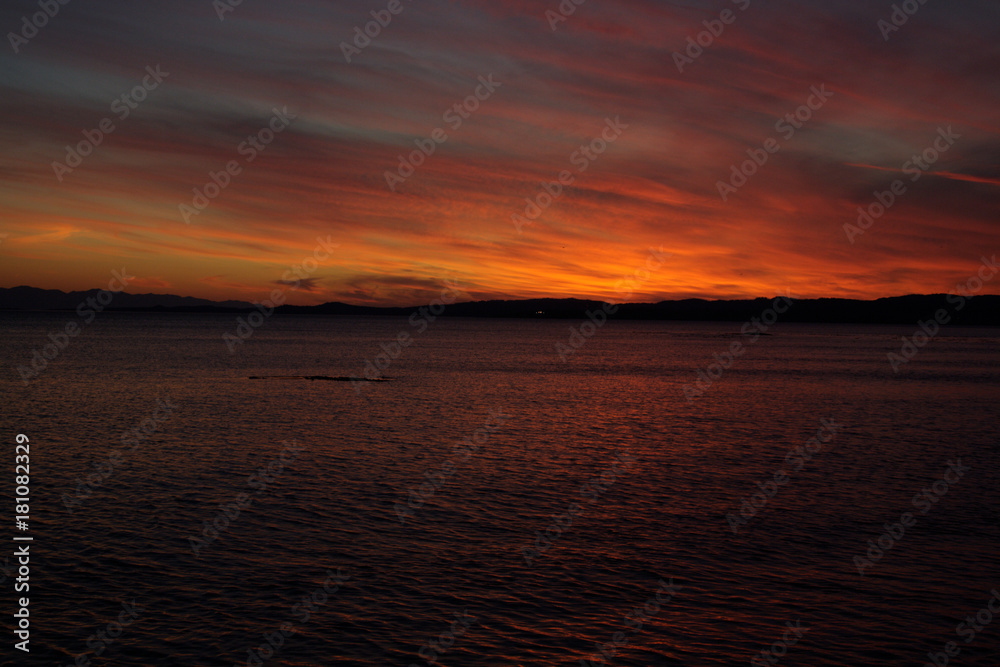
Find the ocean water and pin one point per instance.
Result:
(552, 506)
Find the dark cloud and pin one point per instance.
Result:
(303, 284)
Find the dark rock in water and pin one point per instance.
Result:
(328, 378)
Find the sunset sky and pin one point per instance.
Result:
(656, 184)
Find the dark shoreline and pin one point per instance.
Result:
(981, 310)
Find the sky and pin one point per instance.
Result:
(664, 121)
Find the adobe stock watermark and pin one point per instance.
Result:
(259, 481)
(923, 501)
(290, 280)
(899, 16)
(363, 38)
(420, 320)
(592, 490)
(915, 167)
(779, 648)
(433, 649)
(223, 7)
(796, 459)
(786, 126)
(566, 9)
(929, 330)
(753, 331)
(254, 145)
(581, 158)
(103, 469)
(301, 611)
(463, 450)
(122, 106)
(969, 628)
(714, 28)
(100, 641)
(634, 620)
(624, 288)
(31, 25)
(578, 337)
(641, 275)
(87, 311)
(454, 116)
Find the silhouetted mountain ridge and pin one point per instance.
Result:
(33, 298)
(908, 309)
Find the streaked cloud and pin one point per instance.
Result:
(656, 185)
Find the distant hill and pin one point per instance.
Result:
(33, 298)
(979, 310)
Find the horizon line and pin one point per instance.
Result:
(500, 299)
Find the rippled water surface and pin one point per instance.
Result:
(543, 427)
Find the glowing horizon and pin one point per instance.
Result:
(530, 98)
